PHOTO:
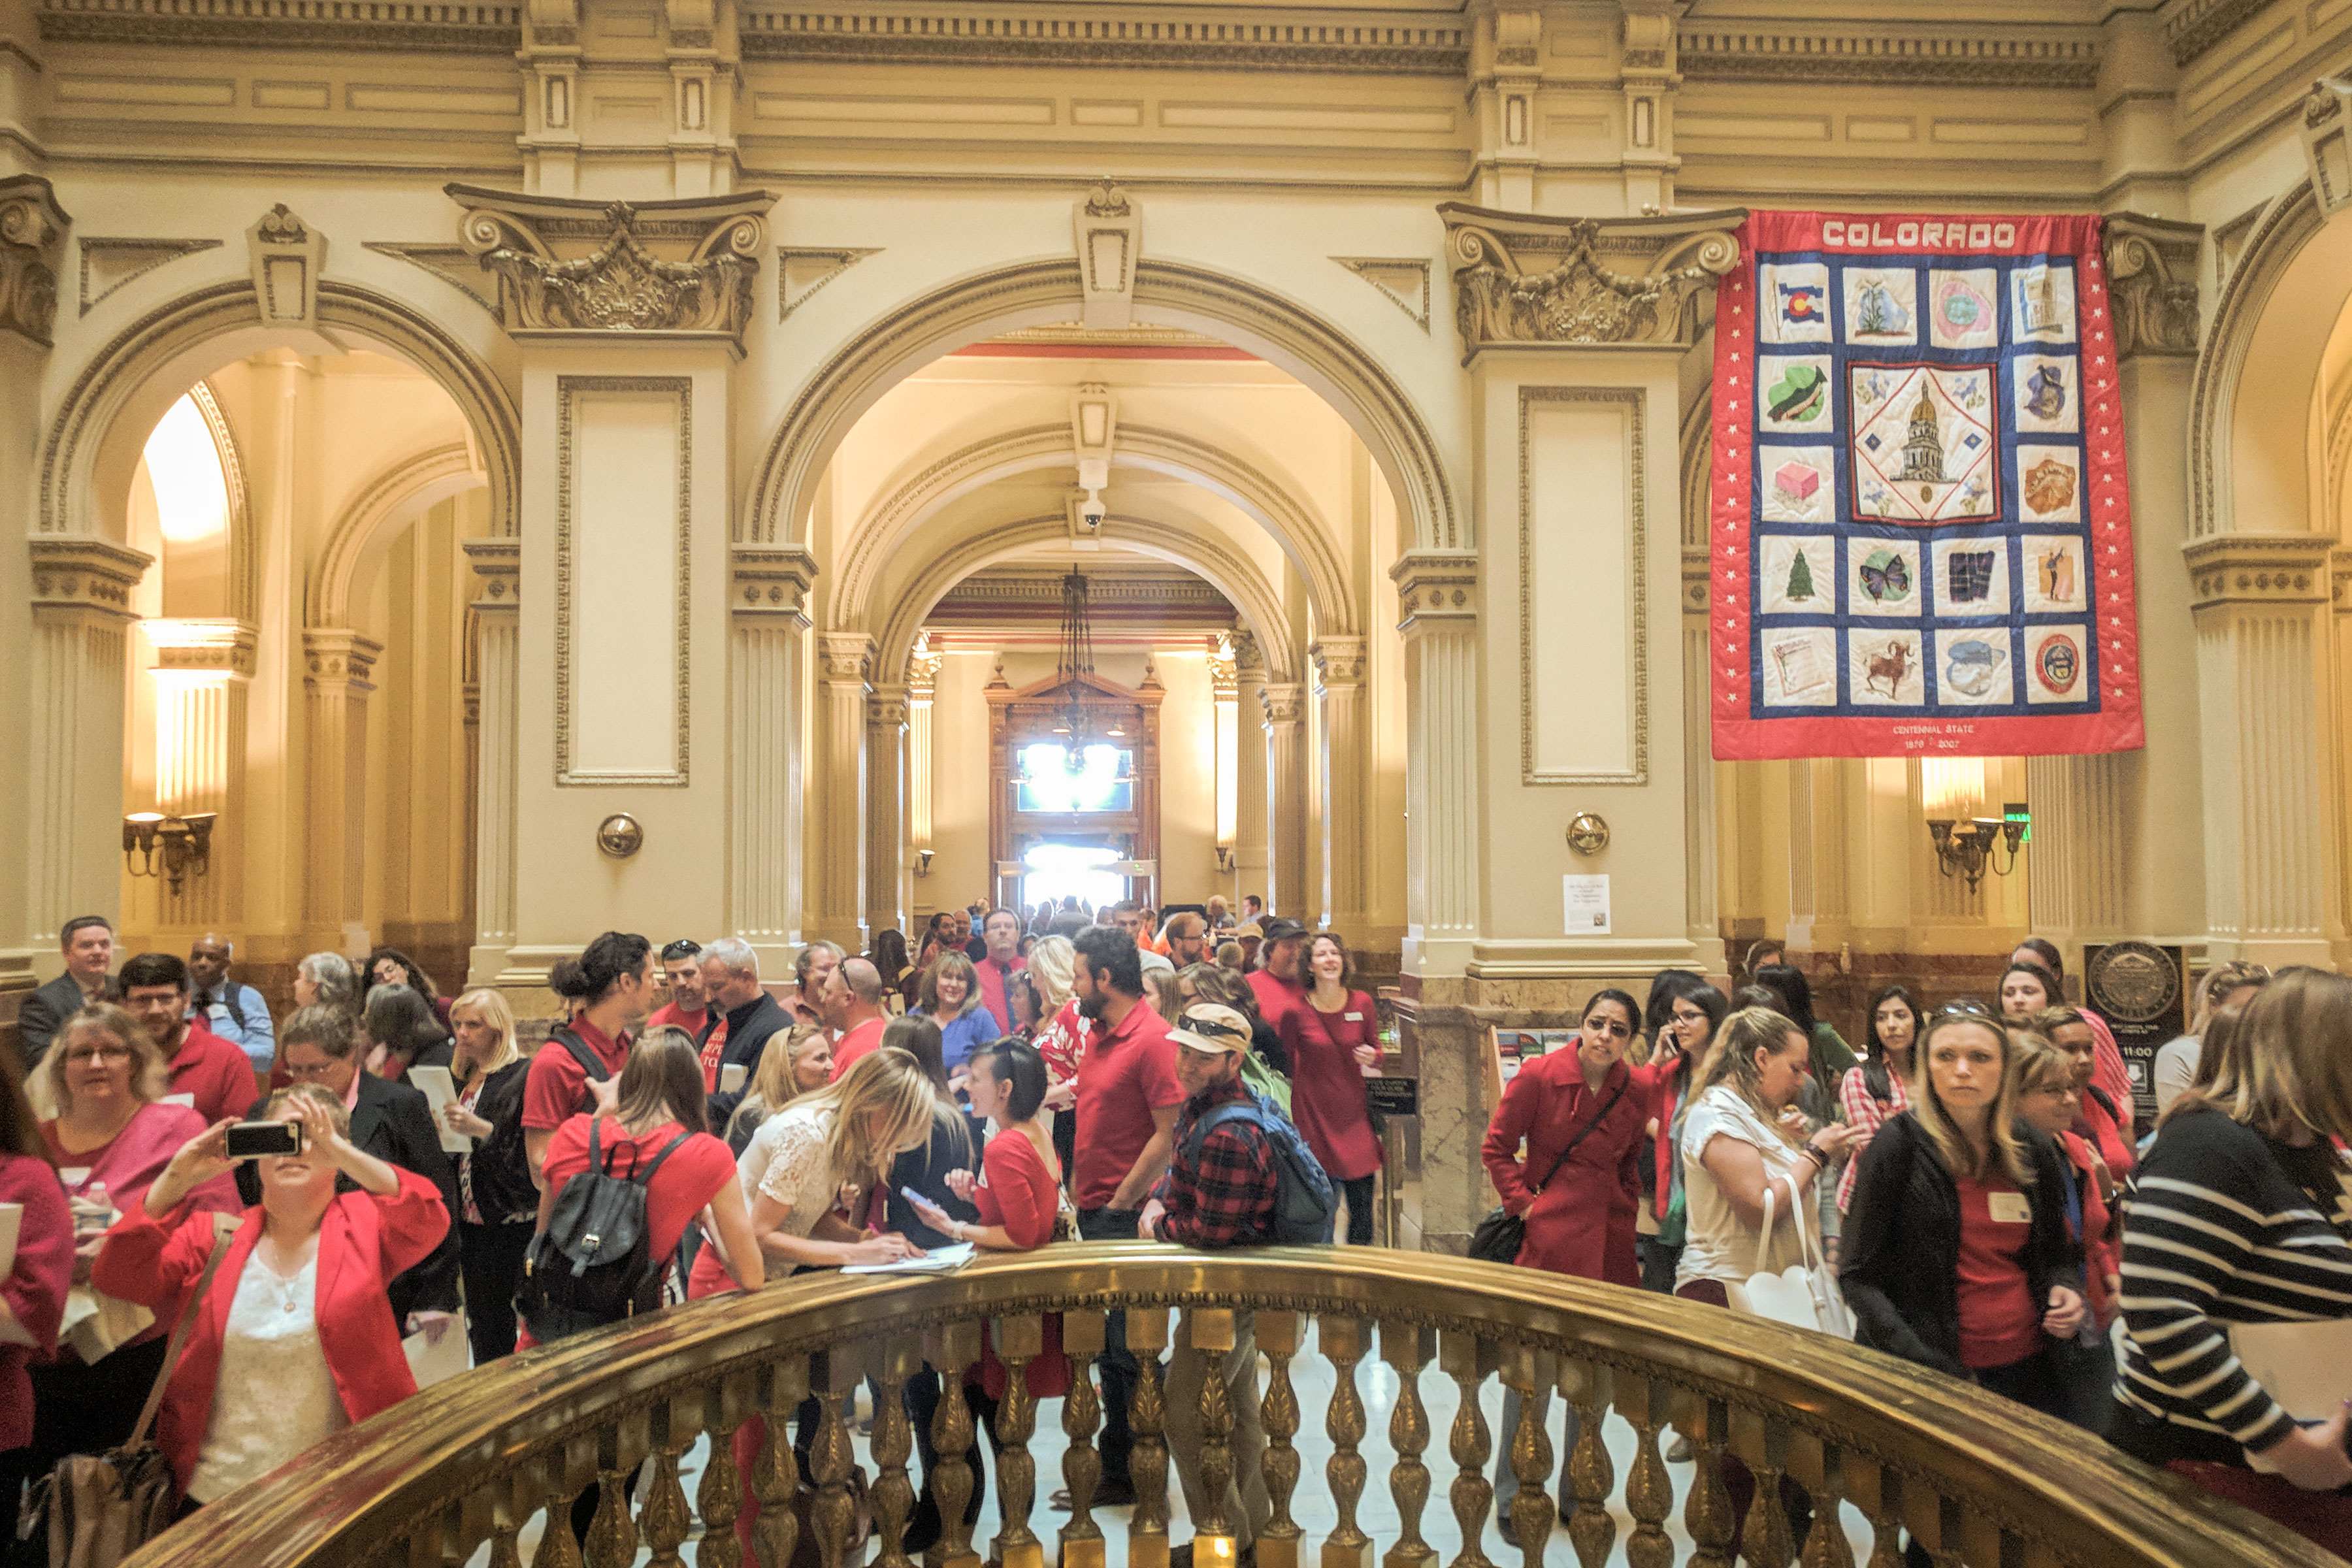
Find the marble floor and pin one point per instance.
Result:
(1313, 1378)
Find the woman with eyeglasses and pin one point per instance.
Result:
(1879, 1086)
(2047, 1085)
(2103, 1123)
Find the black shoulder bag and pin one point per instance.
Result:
(1501, 1234)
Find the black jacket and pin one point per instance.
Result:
(394, 1123)
(749, 1029)
(502, 1183)
(44, 1010)
(1898, 1254)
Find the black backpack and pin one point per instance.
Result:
(589, 1063)
(593, 1264)
(1303, 1199)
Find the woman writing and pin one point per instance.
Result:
(1879, 1086)
(1956, 1253)
(1338, 1042)
(798, 1061)
(2049, 1097)
(2233, 982)
(2237, 1219)
(292, 1341)
(951, 998)
(497, 1203)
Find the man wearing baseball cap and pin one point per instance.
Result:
(1281, 996)
(1219, 1194)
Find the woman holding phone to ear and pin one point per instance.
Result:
(292, 1341)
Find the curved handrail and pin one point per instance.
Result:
(421, 1483)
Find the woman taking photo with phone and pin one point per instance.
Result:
(291, 1342)
(497, 1203)
(1956, 1255)
(2236, 1220)
(1879, 1086)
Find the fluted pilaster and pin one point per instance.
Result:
(840, 851)
(1439, 594)
(1284, 705)
(337, 664)
(1339, 691)
(768, 620)
(498, 662)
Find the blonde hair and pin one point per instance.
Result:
(2219, 982)
(333, 1104)
(2004, 1151)
(2035, 1056)
(2289, 1061)
(150, 1075)
(773, 1083)
(495, 1013)
(1733, 1060)
(888, 1082)
(1053, 968)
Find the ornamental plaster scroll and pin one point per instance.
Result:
(287, 256)
(616, 269)
(1285, 703)
(32, 246)
(2328, 142)
(1109, 227)
(1521, 280)
(2152, 278)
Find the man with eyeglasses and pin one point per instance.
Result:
(207, 1072)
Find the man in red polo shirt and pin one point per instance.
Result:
(1127, 1099)
(852, 1003)
(610, 988)
(999, 962)
(1276, 982)
(215, 1076)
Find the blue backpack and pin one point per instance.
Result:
(1303, 1199)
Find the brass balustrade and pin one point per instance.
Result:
(1980, 1482)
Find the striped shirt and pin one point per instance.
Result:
(2223, 1226)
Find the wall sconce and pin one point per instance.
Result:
(923, 862)
(1224, 859)
(187, 843)
(1965, 848)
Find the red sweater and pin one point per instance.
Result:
(364, 1241)
(36, 1288)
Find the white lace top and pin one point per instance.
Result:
(786, 1160)
(274, 1397)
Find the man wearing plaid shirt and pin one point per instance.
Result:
(1218, 1193)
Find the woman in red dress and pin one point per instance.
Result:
(1339, 1040)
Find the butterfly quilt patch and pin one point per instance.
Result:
(1920, 524)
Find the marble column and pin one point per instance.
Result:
(1224, 698)
(498, 627)
(1250, 867)
(337, 662)
(1283, 704)
(203, 671)
(81, 610)
(1339, 690)
(885, 794)
(840, 850)
(768, 623)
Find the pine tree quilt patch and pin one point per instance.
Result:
(1919, 534)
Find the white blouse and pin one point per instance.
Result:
(276, 1397)
(787, 1159)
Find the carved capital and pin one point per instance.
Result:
(845, 657)
(615, 270)
(1436, 587)
(498, 572)
(922, 676)
(204, 646)
(1249, 659)
(770, 580)
(32, 248)
(1696, 572)
(336, 657)
(1223, 683)
(2152, 282)
(1339, 661)
(88, 574)
(1522, 280)
(2258, 569)
(886, 709)
(286, 255)
(1285, 703)
(2328, 142)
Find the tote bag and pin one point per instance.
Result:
(1803, 1295)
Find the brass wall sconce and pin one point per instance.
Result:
(1965, 849)
(923, 861)
(184, 843)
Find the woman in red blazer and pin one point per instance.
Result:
(294, 1340)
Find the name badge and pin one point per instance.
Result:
(2009, 1208)
(187, 1099)
(1353, 1018)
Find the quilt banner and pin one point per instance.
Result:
(1920, 531)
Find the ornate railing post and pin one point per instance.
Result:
(950, 1350)
(1147, 1336)
(719, 1499)
(1019, 1341)
(896, 1359)
(1591, 1477)
(1468, 1361)
(776, 1477)
(1344, 1344)
(1278, 1335)
(1406, 1347)
(1081, 1539)
(1531, 1372)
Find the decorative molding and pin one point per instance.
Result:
(1113, 37)
(770, 580)
(1249, 657)
(338, 656)
(2339, 581)
(1696, 573)
(327, 599)
(286, 255)
(886, 709)
(32, 248)
(204, 646)
(1284, 702)
(1402, 281)
(1176, 595)
(497, 571)
(349, 25)
(568, 388)
(244, 566)
(86, 574)
(2269, 247)
(2152, 277)
(2196, 27)
(117, 261)
(453, 264)
(1858, 58)
(1637, 556)
(1109, 229)
(1339, 661)
(2258, 569)
(847, 657)
(1436, 588)
(801, 272)
(2328, 142)
(660, 271)
(1520, 281)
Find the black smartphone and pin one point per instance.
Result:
(252, 1139)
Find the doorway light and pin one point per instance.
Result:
(184, 467)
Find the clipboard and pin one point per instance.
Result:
(440, 1090)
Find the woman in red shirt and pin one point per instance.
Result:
(32, 1294)
(2043, 1081)
(1338, 1040)
(2101, 1122)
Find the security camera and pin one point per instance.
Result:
(1090, 515)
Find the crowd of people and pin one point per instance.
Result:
(1986, 1199)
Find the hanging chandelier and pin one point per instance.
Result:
(1077, 664)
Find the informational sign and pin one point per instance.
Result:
(2142, 991)
(1586, 904)
(1394, 1096)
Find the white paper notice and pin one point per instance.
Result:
(730, 1078)
(440, 1090)
(1586, 905)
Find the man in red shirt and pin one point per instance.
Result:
(1276, 982)
(852, 1002)
(688, 1008)
(1128, 1097)
(610, 987)
(215, 1076)
(1000, 961)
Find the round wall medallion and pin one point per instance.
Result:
(619, 836)
(1588, 834)
(2134, 982)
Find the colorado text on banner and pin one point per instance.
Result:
(1920, 536)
